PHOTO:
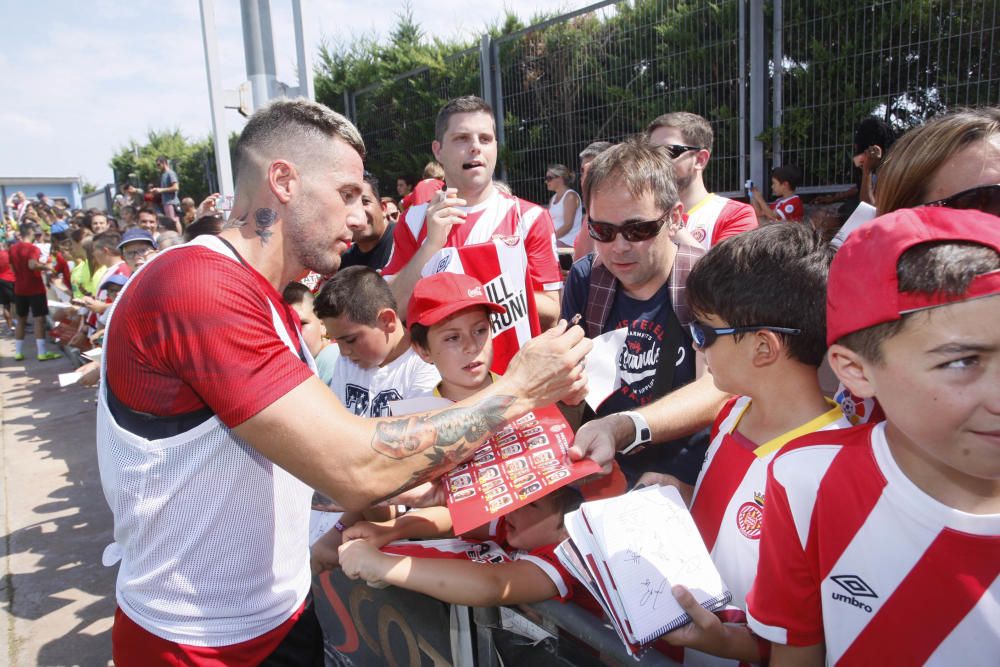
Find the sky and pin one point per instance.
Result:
(83, 77)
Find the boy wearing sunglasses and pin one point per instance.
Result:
(635, 280)
(760, 323)
(882, 542)
(708, 217)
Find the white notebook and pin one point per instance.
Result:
(635, 547)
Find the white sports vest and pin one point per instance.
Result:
(212, 536)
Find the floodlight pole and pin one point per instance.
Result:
(258, 50)
(220, 138)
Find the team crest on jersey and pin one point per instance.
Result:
(699, 234)
(509, 241)
(750, 517)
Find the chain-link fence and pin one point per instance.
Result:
(396, 120)
(780, 82)
(902, 60)
(604, 75)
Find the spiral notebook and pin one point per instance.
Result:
(629, 551)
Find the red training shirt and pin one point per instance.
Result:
(193, 329)
(27, 282)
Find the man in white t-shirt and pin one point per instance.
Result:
(377, 365)
(471, 210)
(710, 218)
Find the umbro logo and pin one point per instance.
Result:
(854, 585)
(857, 587)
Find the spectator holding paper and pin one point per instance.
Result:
(758, 302)
(636, 279)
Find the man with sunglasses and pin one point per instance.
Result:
(636, 279)
(709, 218)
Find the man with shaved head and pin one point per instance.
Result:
(213, 428)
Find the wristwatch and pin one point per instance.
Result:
(642, 433)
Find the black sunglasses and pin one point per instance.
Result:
(704, 335)
(985, 198)
(677, 150)
(633, 232)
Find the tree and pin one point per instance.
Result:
(194, 162)
(604, 77)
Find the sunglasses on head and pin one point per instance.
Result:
(985, 198)
(704, 335)
(633, 232)
(677, 150)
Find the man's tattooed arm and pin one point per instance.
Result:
(406, 436)
(444, 438)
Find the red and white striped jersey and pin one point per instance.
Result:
(499, 215)
(855, 555)
(502, 266)
(729, 496)
(715, 218)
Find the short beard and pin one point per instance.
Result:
(685, 182)
(308, 253)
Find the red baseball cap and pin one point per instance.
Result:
(863, 288)
(442, 294)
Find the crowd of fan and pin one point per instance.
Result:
(700, 282)
(63, 267)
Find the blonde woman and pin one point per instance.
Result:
(564, 207)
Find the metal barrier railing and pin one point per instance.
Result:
(368, 626)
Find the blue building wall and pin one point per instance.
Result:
(68, 190)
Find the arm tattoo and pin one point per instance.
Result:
(265, 219)
(445, 438)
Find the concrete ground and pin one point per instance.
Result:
(56, 597)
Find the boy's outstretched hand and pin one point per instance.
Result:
(361, 559)
(373, 533)
(707, 633)
(704, 633)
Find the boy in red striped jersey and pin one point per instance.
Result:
(882, 542)
(760, 322)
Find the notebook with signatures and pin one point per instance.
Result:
(629, 550)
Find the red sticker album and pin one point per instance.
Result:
(525, 459)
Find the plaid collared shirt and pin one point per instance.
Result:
(604, 286)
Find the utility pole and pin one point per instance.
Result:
(220, 137)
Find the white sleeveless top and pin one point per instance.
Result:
(212, 536)
(557, 211)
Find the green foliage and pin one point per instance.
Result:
(194, 162)
(396, 115)
(605, 76)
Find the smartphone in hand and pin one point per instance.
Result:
(748, 188)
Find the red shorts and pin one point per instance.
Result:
(135, 646)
